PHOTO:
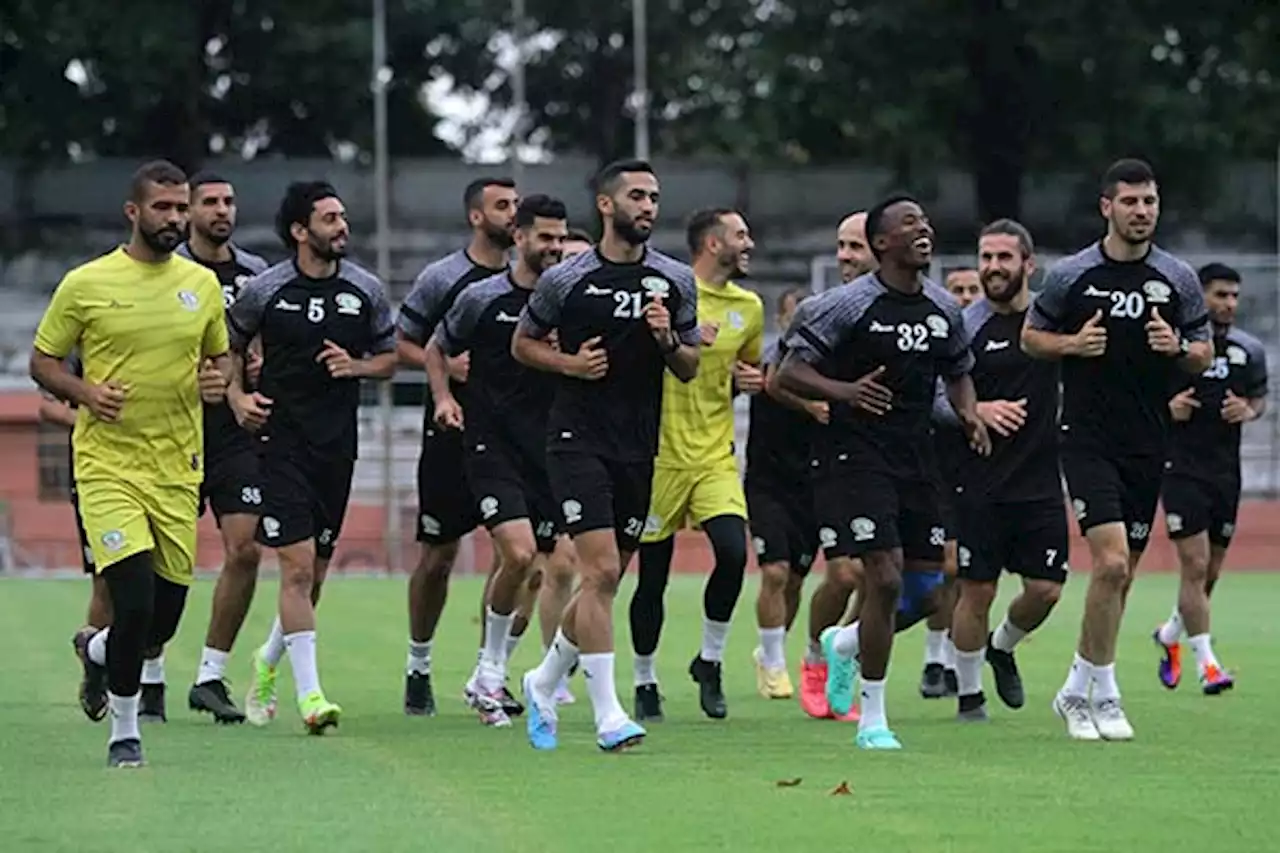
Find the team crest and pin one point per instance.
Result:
(240, 280)
(189, 300)
(348, 303)
(736, 321)
(1237, 355)
(1157, 291)
(113, 540)
(938, 326)
(655, 285)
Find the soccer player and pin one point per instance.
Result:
(1009, 507)
(696, 475)
(446, 511)
(1201, 491)
(853, 255)
(143, 322)
(325, 324)
(877, 348)
(624, 314)
(575, 243)
(504, 431)
(965, 284)
(1124, 317)
(232, 487)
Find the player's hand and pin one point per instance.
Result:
(1236, 410)
(449, 413)
(1184, 404)
(251, 409)
(707, 333)
(590, 362)
(869, 395)
(106, 400)
(213, 385)
(976, 431)
(340, 363)
(458, 367)
(1004, 416)
(1091, 340)
(748, 378)
(659, 320)
(253, 366)
(1161, 337)
(819, 410)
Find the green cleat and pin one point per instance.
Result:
(260, 705)
(318, 713)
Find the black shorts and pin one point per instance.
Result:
(1192, 506)
(1027, 538)
(783, 528)
(509, 486)
(304, 496)
(947, 500)
(86, 553)
(860, 510)
(597, 493)
(1106, 489)
(446, 505)
(232, 485)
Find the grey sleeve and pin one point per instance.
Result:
(1192, 318)
(943, 411)
(684, 322)
(382, 331)
(253, 263)
(1049, 308)
(816, 333)
(455, 330)
(426, 304)
(1255, 373)
(542, 313)
(244, 318)
(958, 358)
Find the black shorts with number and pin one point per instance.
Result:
(597, 493)
(783, 527)
(1106, 488)
(446, 503)
(304, 495)
(232, 485)
(86, 553)
(1026, 538)
(1193, 505)
(861, 509)
(507, 486)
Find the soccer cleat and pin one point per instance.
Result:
(125, 753)
(540, 721)
(212, 698)
(813, 689)
(1008, 681)
(842, 675)
(563, 695)
(488, 704)
(624, 737)
(972, 709)
(952, 682)
(707, 674)
(877, 738)
(419, 699)
(648, 703)
(1110, 720)
(1170, 669)
(510, 704)
(771, 683)
(1215, 680)
(93, 681)
(260, 704)
(1074, 710)
(933, 684)
(151, 705)
(852, 717)
(318, 713)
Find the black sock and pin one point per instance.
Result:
(132, 585)
(169, 601)
(647, 608)
(728, 535)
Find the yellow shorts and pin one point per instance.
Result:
(682, 495)
(122, 518)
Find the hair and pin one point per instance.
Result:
(160, 172)
(539, 206)
(1130, 170)
(875, 218)
(606, 180)
(296, 207)
(578, 235)
(1217, 272)
(701, 223)
(796, 292)
(1011, 228)
(473, 195)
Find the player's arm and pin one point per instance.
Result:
(381, 360)
(1192, 335)
(59, 331)
(954, 368)
(749, 376)
(676, 333)
(1252, 405)
(244, 324)
(533, 343)
(416, 320)
(813, 336)
(1042, 332)
(55, 411)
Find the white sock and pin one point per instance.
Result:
(969, 672)
(555, 665)
(872, 705)
(1079, 677)
(849, 642)
(213, 665)
(302, 659)
(949, 653)
(512, 642)
(273, 649)
(645, 670)
(773, 648)
(1007, 636)
(98, 647)
(598, 672)
(934, 643)
(812, 652)
(1204, 652)
(497, 628)
(714, 636)
(1104, 683)
(419, 662)
(124, 717)
(153, 670)
(1171, 631)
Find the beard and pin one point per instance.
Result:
(629, 231)
(540, 262)
(162, 240)
(732, 261)
(215, 238)
(325, 250)
(499, 236)
(1010, 288)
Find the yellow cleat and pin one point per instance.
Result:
(772, 683)
(318, 713)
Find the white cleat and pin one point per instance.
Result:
(1075, 711)
(1110, 721)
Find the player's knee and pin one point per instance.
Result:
(1111, 567)
(728, 535)
(977, 595)
(774, 578)
(244, 557)
(600, 579)
(533, 582)
(132, 583)
(1044, 593)
(436, 562)
(846, 574)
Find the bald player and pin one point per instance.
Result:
(853, 255)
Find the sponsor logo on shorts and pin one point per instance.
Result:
(270, 526)
(113, 540)
(572, 511)
(759, 543)
(827, 537)
(189, 300)
(429, 524)
(864, 529)
(1080, 508)
(1174, 522)
(489, 506)
(964, 557)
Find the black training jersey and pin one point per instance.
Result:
(586, 297)
(504, 398)
(1206, 446)
(916, 337)
(1118, 403)
(295, 315)
(1023, 467)
(779, 441)
(222, 435)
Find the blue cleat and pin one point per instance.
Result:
(621, 738)
(877, 738)
(842, 674)
(540, 725)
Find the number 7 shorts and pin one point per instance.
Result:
(1028, 539)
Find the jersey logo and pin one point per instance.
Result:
(504, 317)
(880, 327)
(1093, 291)
(1157, 291)
(348, 303)
(284, 305)
(938, 327)
(996, 346)
(592, 290)
(189, 300)
(655, 285)
(736, 320)
(1236, 355)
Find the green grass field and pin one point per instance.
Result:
(1201, 775)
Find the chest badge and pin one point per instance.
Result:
(938, 326)
(189, 300)
(348, 303)
(736, 321)
(1157, 291)
(1236, 355)
(240, 280)
(655, 285)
